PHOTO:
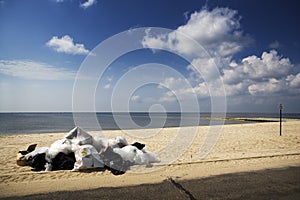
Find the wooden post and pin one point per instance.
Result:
(280, 112)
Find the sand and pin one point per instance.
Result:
(240, 148)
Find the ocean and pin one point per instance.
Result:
(26, 123)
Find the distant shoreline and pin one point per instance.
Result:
(246, 120)
(254, 119)
(28, 123)
(140, 112)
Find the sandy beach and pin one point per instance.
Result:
(245, 155)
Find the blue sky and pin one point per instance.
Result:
(254, 44)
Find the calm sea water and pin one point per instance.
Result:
(24, 123)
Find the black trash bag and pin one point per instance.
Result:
(138, 145)
(37, 161)
(63, 161)
(114, 162)
(60, 162)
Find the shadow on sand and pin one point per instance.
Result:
(281, 183)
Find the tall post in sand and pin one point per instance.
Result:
(280, 113)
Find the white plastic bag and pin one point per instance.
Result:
(87, 157)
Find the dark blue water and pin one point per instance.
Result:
(24, 123)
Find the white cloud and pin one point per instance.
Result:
(239, 88)
(266, 88)
(246, 81)
(294, 80)
(179, 89)
(186, 15)
(269, 65)
(65, 44)
(275, 45)
(28, 69)
(108, 82)
(135, 98)
(206, 67)
(172, 83)
(32, 96)
(107, 86)
(218, 31)
(88, 3)
(261, 76)
(269, 74)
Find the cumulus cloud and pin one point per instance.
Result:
(294, 80)
(28, 69)
(220, 34)
(267, 75)
(269, 65)
(218, 31)
(261, 76)
(207, 67)
(179, 89)
(65, 44)
(266, 88)
(88, 3)
(176, 86)
(173, 83)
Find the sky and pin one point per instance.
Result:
(249, 57)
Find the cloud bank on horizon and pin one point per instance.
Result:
(263, 80)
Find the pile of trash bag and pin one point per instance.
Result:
(78, 150)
